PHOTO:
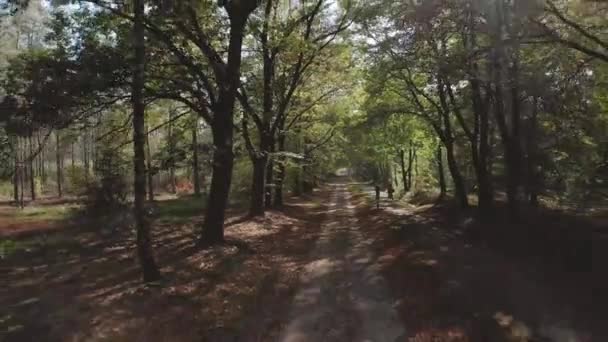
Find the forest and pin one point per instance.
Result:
(304, 170)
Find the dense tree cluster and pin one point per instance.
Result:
(511, 90)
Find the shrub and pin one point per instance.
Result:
(108, 191)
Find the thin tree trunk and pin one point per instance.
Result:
(280, 179)
(195, 165)
(171, 140)
(269, 179)
(441, 173)
(22, 173)
(258, 185)
(32, 173)
(533, 174)
(15, 143)
(58, 164)
(410, 164)
(72, 156)
(406, 187)
(150, 270)
(149, 174)
(85, 155)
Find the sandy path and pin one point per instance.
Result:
(342, 296)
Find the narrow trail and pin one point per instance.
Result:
(342, 296)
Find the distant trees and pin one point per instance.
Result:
(479, 73)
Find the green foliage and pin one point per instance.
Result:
(108, 191)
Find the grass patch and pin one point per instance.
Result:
(42, 213)
(180, 209)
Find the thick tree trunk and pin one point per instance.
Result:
(440, 172)
(150, 271)
(196, 180)
(459, 187)
(222, 128)
(221, 177)
(149, 173)
(58, 164)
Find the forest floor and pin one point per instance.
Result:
(330, 267)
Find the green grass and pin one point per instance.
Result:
(41, 213)
(180, 209)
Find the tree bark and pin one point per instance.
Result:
(150, 271)
(171, 140)
(280, 179)
(32, 173)
(258, 185)
(58, 164)
(72, 156)
(269, 179)
(16, 170)
(459, 187)
(406, 187)
(196, 180)
(533, 177)
(223, 127)
(85, 155)
(22, 174)
(410, 164)
(440, 172)
(149, 173)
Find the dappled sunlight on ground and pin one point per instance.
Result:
(450, 288)
(80, 285)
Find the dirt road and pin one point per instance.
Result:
(343, 297)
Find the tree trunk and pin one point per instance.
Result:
(221, 177)
(258, 185)
(150, 271)
(171, 140)
(410, 164)
(510, 140)
(406, 187)
(196, 180)
(440, 171)
(32, 169)
(259, 179)
(269, 179)
(459, 187)
(223, 131)
(58, 164)
(149, 173)
(85, 155)
(22, 174)
(280, 179)
(72, 156)
(43, 150)
(532, 160)
(15, 143)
